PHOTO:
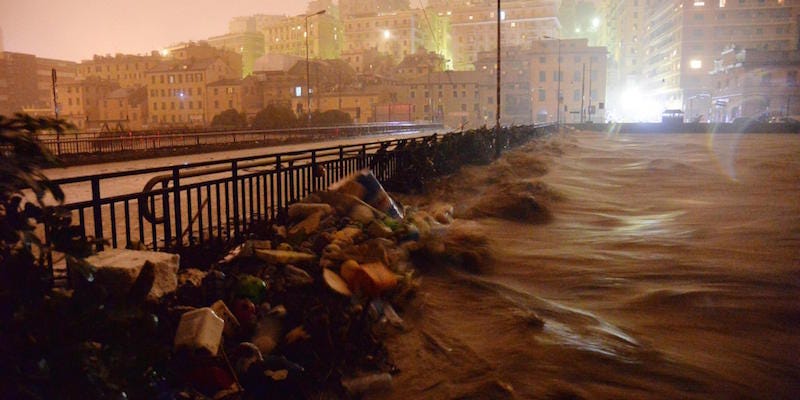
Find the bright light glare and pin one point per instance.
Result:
(387, 34)
(595, 22)
(164, 52)
(636, 107)
(695, 64)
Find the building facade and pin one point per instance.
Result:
(755, 83)
(685, 35)
(127, 70)
(249, 45)
(177, 94)
(288, 36)
(80, 101)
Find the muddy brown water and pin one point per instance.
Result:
(668, 268)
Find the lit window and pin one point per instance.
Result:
(695, 64)
(699, 3)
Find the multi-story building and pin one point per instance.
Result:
(177, 90)
(195, 51)
(80, 101)
(18, 82)
(530, 81)
(473, 28)
(455, 98)
(243, 95)
(249, 45)
(397, 34)
(624, 33)
(126, 69)
(352, 8)
(124, 109)
(755, 83)
(288, 36)
(66, 71)
(684, 36)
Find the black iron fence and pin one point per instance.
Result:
(216, 203)
(115, 142)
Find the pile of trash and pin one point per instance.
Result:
(300, 312)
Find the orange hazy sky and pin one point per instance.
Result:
(77, 29)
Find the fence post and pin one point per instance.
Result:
(290, 176)
(341, 163)
(167, 219)
(313, 171)
(176, 176)
(235, 184)
(97, 213)
(362, 157)
(278, 186)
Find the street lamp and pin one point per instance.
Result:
(308, 88)
(558, 91)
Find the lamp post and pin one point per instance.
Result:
(558, 91)
(308, 69)
(497, 141)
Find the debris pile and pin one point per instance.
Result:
(305, 309)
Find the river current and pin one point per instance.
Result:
(656, 267)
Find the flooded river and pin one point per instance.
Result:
(660, 267)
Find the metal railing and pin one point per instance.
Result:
(115, 142)
(217, 203)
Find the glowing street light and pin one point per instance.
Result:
(595, 22)
(387, 34)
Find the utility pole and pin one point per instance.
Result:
(54, 76)
(308, 69)
(583, 89)
(498, 71)
(589, 109)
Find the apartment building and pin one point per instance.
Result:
(243, 95)
(473, 28)
(127, 70)
(80, 101)
(397, 34)
(177, 90)
(455, 98)
(123, 109)
(530, 81)
(287, 35)
(249, 46)
(685, 36)
(755, 83)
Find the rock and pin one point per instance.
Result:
(303, 210)
(308, 225)
(118, 269)
(191, 276)
(285, 247)
(200, 329)
(296, 276)
(282, 257)
(231, 322)
(362, 214)
(335, 282)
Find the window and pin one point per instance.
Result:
(542, 76)
(576, 95)
(542, 95)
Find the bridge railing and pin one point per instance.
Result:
(114, 142)
(211, 205)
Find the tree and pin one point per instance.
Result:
(275, 117)
(331, 118)
(229, 118)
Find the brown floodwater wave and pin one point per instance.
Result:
(640, 267)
